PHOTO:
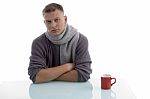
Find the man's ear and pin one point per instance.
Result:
(44, 21)
(65, 18)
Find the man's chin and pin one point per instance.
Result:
(55, 33)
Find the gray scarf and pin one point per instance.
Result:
(68, 41)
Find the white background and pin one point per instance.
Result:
(118, 33)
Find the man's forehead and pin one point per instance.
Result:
(54, 13)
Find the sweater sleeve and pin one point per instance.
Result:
(83, 60)
(37, 59)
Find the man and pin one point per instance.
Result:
(61, 53)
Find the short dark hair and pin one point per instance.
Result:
(52, 7)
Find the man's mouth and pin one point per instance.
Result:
(54, 30)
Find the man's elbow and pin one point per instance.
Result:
(84, 78)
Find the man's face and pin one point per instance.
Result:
(55, 22)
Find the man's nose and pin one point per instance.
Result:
(53, 24)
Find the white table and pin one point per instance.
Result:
(64, 90)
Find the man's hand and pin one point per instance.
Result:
(69, 66)
(71, 75)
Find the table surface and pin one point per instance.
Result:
(64, 90)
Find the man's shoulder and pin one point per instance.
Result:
(82, 38)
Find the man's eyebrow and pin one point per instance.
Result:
(57, 18)
(48, 20)
(53, 19)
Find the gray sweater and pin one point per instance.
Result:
(45, 54)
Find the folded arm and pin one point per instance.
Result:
(62, 72)
(69, 76)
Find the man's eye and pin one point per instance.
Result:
(48, 21)
(57, 20)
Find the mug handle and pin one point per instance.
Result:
(114, 81)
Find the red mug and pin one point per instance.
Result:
(106, 81)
